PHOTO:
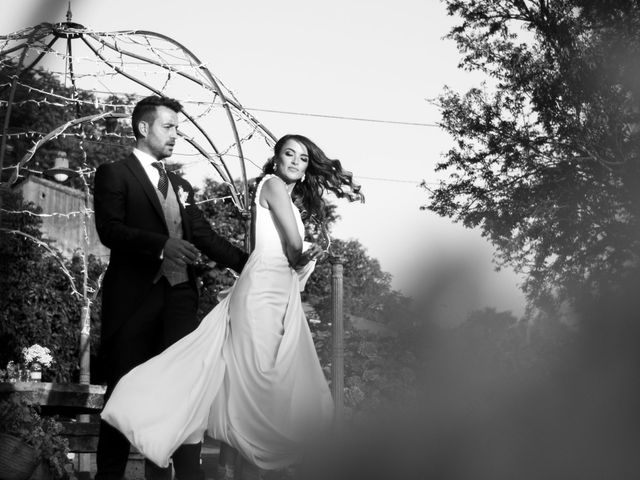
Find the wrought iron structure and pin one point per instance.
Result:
(110, 71)
(138, 62)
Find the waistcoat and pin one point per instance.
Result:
(171, 209)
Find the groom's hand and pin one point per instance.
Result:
(180, 251)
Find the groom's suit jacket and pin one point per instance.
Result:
(131, 223)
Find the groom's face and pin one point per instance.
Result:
(160, 132)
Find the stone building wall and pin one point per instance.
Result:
(66, 231)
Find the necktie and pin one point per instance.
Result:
(163, 181)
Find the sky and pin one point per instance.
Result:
(368, 59)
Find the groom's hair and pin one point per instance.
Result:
(145, 108)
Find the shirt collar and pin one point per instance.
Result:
(145, 159)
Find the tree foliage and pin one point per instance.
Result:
(367, 288)
(546, 155)
(37, 304)
(226, 220)
(497, 344)
(379, 371)
(23, 420)
(39, 106)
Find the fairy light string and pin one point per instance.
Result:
(80, 69)
(98, 67)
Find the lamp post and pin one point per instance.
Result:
(61, 173)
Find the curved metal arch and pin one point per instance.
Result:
(71, 31)
(226, 175)
(149, 87)
(44, 28)
(233, 102)
(7, 115)
(222, 96)
(55, 133)
(37, 60)
(211, 78)
(91, 119)
(234, 111)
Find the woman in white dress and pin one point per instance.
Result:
(249, 372)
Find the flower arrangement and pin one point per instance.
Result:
(37, 353)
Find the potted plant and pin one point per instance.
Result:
(24, 430)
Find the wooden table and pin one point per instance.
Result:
(58, 397)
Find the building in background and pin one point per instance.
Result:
(62, 222)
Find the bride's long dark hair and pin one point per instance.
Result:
(323, 174)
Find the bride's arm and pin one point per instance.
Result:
(274, 196)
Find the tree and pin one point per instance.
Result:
(497, 344)
(38, 108)
(379, 370)
(546, 160)
(367, 288)
(37, 301)
(227, 221)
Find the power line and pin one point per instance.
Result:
(357, 177)
(395, 180)
(283, 112)
(340, 117)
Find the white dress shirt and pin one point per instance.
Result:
(146, 160)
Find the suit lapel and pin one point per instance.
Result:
(138, 171)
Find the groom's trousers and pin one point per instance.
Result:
(165, 316)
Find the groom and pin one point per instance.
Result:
(148, 218)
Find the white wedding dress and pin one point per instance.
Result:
(249, 374)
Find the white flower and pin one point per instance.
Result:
(183, 196)
(37, 353)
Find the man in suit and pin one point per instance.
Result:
(148, 219)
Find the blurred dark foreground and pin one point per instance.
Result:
(574, 415)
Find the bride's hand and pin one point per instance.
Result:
(314, 252)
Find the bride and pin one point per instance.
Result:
(250, 370)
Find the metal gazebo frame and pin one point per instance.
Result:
(97, 42)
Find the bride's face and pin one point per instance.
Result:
(292, 161)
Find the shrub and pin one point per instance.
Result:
(22, 420)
